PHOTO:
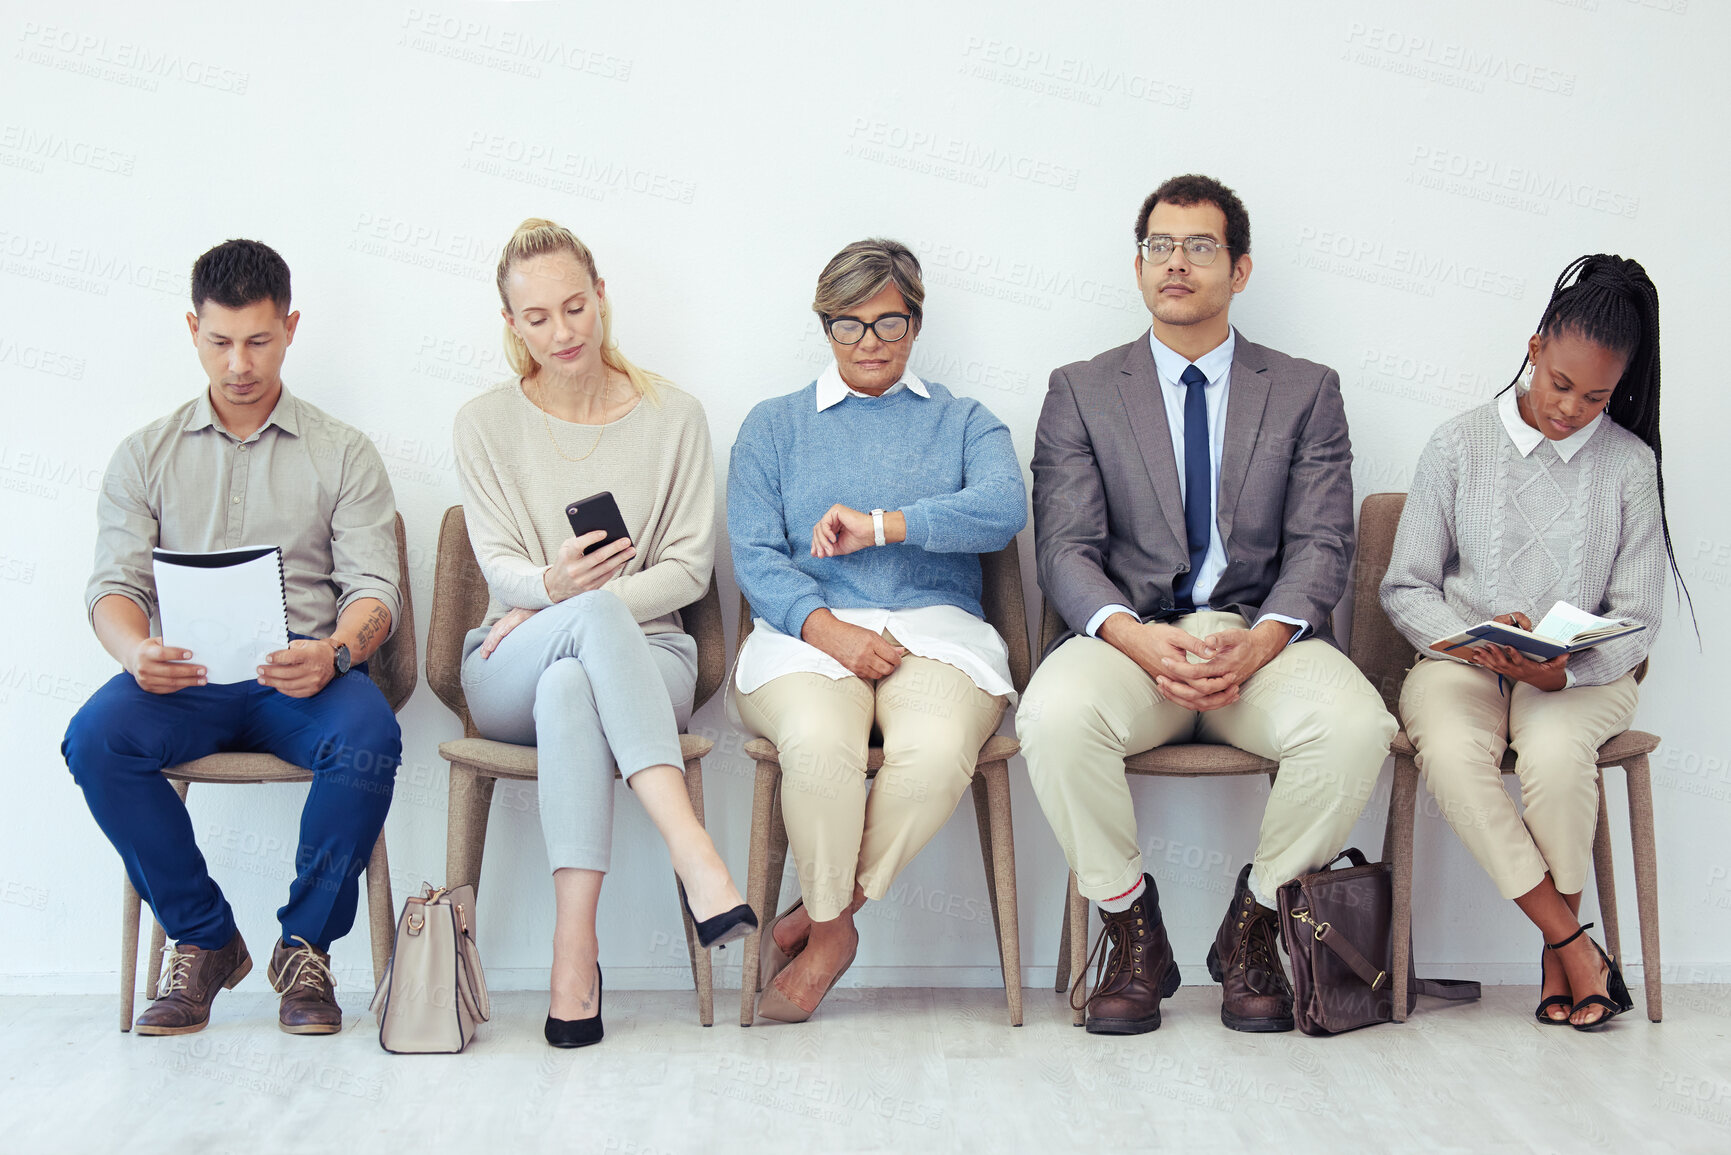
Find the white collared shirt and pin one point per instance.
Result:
(947, 634)
(832, 390)
(1527, 439)
(1216, 366)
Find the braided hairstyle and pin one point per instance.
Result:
(1611, 301)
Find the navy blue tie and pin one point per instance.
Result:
(1198, 482)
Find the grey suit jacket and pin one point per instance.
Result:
(1109, 519)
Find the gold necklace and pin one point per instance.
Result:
(547, 424)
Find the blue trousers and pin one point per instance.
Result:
(119, 742)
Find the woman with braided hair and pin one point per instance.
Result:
(1550, 492)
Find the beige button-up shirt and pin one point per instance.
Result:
(304, 481)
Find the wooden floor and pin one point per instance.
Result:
(902, 1070)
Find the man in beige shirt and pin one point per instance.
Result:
(245, 463)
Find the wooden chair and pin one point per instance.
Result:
(1175, 760)
(1384, 656)
(392, 669)
(477, 763)
(1001, 582)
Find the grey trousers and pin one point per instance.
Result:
(582, 682)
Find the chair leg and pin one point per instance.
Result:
(381, 910)
(1646, 879)
(1604, 873)
(702, 968)
(757, 886)
(1061, 981)
(129, 911)
(999, 851)
(777, 846)
(1397, 849)
(983, 816)
(1076, 908)
(471, 799)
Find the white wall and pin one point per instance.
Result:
(1415, 182)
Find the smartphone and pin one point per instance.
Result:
(597, 511)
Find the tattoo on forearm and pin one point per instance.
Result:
(372, 627)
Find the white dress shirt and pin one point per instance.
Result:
(1527, 439)
(947, 634)
(1216, 366)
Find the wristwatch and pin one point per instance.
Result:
(878, 526)
(342, 658)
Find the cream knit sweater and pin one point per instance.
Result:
(656, 461)
(1487, 531)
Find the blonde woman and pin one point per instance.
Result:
(582, 653)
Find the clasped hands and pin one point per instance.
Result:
(1226, 658)
(1516, 666)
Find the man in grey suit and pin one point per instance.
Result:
(1193, 524)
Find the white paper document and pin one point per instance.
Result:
(227, 607)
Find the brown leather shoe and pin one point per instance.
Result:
(1130, 981)
(1245, 961)
(302, 975)
(191, 976)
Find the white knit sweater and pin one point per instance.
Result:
(656, 461)
(1487, 531)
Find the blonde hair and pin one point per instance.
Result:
(861, 270)
(536, 237)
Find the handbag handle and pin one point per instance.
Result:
(1352, 854)
(1337, 942)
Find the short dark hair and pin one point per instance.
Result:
(238, 273)
(1196, 189)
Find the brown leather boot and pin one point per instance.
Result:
(191, 976)
(302, 975)
(1130, 981)
(1245, 961)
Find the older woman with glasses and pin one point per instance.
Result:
(857, 507)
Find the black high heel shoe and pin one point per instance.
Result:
(578, 1032)
(1563, 1001)
(1618, 999)
(724, 927)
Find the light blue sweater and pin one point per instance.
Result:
(944, 461)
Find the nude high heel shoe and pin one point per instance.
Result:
(776, 1007)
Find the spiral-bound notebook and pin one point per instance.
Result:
(228, 607)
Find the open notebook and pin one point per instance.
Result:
(228, 607)
(1565, 630)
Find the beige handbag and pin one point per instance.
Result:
(433, 993)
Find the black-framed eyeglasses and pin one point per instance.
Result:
(1159, 246)
(852, 330)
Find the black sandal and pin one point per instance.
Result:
(1564, 1001)
(1618, 999)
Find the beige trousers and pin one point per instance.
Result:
(1309, 709)
(1461, 722)
(934, 721)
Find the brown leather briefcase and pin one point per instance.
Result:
(1336, 926)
